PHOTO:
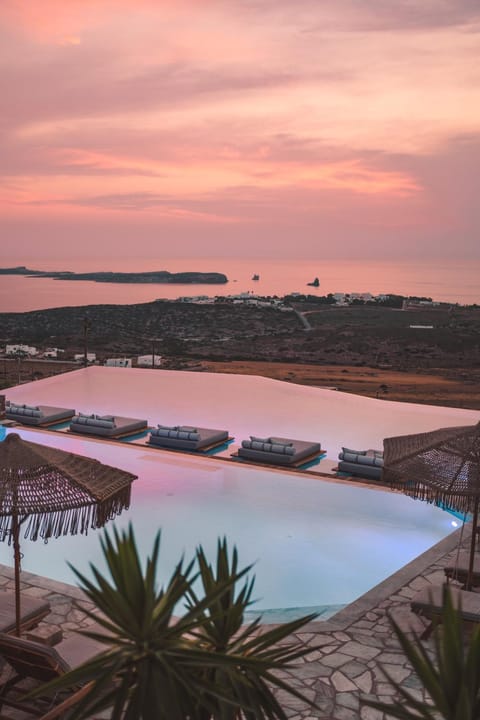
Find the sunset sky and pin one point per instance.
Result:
(240, 127)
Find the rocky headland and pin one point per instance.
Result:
(152, 277)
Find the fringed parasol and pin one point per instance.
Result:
(441, 467)
(51, 492)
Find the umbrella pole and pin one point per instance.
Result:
(468, 584)
(16, 556)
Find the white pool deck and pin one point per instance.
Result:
(242, 404)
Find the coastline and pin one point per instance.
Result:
(454, 281)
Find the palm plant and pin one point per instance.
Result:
(250, 656)
(156, 667)
(451, 678)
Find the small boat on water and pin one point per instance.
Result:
(256, 277)
(314, 283)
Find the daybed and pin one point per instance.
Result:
(278, 451)
(184, 437)
(364, 463)
(40, 415)
(109, 426)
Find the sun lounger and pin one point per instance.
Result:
(40, 662)
(32, 610)
(184, 437)
(278, 451)
(109, 426)
(429, 604)
(458, 569)
(38, 415)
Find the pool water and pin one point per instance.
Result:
(314, 543)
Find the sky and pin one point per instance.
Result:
(225, 128)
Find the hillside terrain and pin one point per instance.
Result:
(384, 345)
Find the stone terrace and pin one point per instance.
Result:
(351, 649)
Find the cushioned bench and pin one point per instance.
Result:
(278, 451)
(106, 425)
(40, 415)
(184, 437)
(364, 463)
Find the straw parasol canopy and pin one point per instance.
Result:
(441, 467)
(50, 492)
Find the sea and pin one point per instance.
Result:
(445, 281)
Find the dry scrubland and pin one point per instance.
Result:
(368, 350)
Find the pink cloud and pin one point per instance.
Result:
(310, 118)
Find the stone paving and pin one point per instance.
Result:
(350, 649)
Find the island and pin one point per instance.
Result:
(151, 277)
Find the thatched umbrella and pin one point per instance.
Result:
(51, 492)
(441, 467)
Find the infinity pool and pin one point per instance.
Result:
(314, 543)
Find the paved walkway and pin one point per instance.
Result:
(354, 645)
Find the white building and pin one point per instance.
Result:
(119, 362)
(365, 296)
(52, 353)
(91, 357)
(146, 361)
(20, 350)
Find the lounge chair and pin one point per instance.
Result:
(37, 415)
(32, 610)
(278, 451)
(429, 604)
(458, 570)
(110, 426)
(184, 437)
(37, 661)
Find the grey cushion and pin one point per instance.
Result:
(283, 448)
(106, 417)
(349, 457)
(93, 421)
(168, 427)
(280, 441)
(259, 440)
(175, 434)
(366, 459)
(25, 407)
(25, 412)
(353, 452)
(259, 445)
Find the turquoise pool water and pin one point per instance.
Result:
(314, 543)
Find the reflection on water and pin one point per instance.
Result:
(313, 542)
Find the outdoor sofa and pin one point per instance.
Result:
(39, 415)
(364, 463)
(109, 426)
(184, 437)
(278, 451)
